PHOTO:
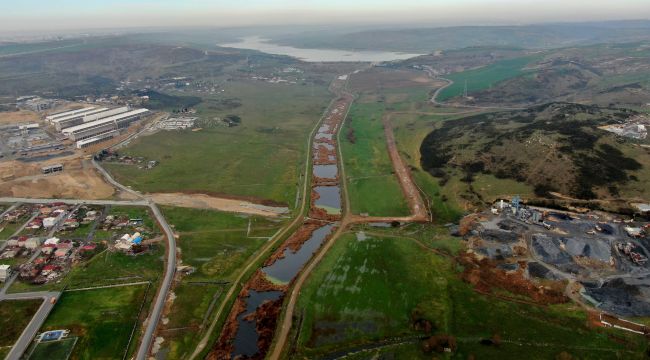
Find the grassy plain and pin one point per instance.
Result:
(368, 168)
(102, 319)
(216, 245)
(485, 77)
(370, 288)
(14, 317)
(261, 158)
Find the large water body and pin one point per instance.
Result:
(317, 55)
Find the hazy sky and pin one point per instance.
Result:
(21, 15)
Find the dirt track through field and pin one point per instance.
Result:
(201, 201)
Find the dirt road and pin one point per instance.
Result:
(202, 201)
(418, 208)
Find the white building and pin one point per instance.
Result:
(5, 272)
(103, 126)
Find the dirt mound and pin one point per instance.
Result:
(623, 297)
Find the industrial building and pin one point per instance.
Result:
(74, 119)
(52, 169)
(96, 139)
(103, 126)
(5, 273)
(51, 117)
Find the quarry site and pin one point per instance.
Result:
(601, 258)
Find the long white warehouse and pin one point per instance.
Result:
(68, 113)
(105, 125)
(74, 119)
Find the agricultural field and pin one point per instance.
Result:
(368, 168)
(485, 77)
(216, 245)
(14, 317)
(262, 158)
(102, 319)
(373, 287)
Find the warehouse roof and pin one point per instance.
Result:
(66, 113)
(79, 114)
(107, 120)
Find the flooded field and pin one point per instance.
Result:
(326, 171)
(328, 197)
(285, 269)
(249, 330)
(246, 340)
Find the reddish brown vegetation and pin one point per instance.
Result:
(485, 276)
(260, 283)
(267, 316)
(439, 344)
(295, 241)
(224, 346)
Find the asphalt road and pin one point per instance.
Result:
(35, 324)
(170, 270)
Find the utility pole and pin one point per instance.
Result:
(465, 90)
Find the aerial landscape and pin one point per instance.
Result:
(324, 180)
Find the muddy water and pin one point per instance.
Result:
(326, 171)
(327, 146)
(330, 196)
(287, 268)
(246, 338)
(321, 136)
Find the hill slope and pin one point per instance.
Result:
(556, 147)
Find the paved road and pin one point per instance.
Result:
(163, 291)
(35, 324)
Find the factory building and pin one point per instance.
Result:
(96, 139)
(51, 117)
(5, 272)
(52, 169)
(74, 119)
(103, 126)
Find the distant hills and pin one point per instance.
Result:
(427, 40)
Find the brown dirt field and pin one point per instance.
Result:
(78, 180)
(203, 201)
(17, 117)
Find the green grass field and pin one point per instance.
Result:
(485, 77)
(54, 349)
(217, 245)
(368, 289)
(372, 186)
(102, 319)
(261, 158)
(14, 317)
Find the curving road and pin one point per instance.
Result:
(170, 266)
